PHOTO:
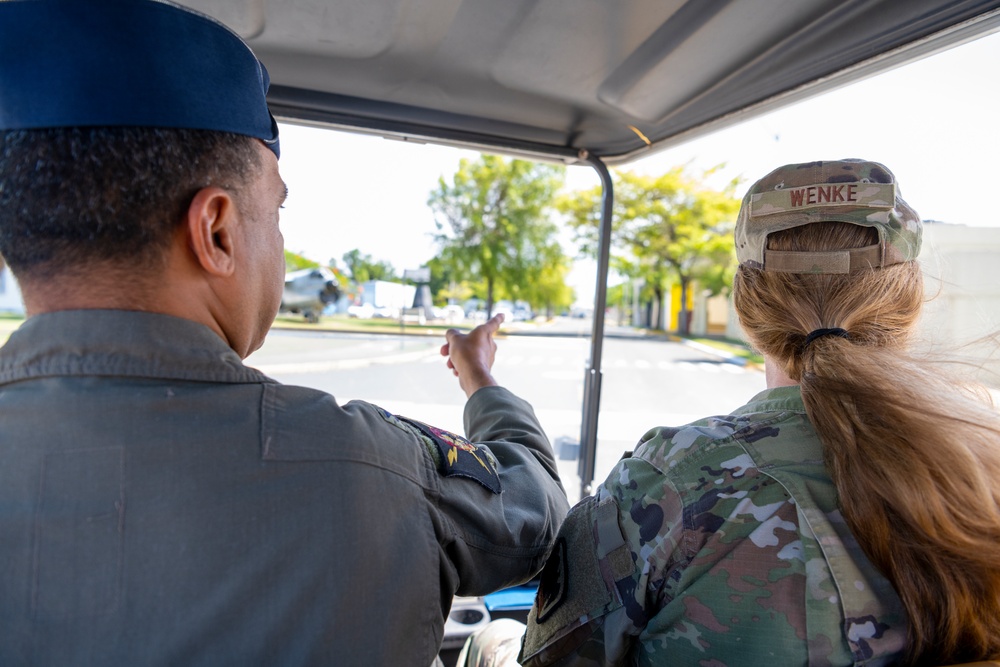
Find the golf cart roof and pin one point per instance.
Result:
(617, 79)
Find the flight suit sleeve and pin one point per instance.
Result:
(498, 501)
(502, 538)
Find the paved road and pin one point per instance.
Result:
(646, 382)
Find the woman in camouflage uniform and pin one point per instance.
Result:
(848, 514)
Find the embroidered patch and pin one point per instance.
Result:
(553, 582)
(461, 457)
(453, 454)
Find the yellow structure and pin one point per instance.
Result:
(675, 306)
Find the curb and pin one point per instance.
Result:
(716, 352)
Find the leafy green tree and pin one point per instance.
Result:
(546, 285)
(363, 267)
(668, 227)
(492, 222)
(295, 261)
(447, 286)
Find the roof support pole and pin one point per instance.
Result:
(592, 379)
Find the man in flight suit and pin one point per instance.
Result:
(161, 503)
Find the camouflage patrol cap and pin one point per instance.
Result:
(855, 191)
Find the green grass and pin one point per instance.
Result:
(336, 323)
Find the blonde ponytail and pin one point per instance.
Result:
(914, 455)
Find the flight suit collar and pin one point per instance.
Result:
(120, 343)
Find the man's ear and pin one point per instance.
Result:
(210, 221)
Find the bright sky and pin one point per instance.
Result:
(933, 123)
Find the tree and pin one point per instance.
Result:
(445, 284)
(493, 225)
(546, 285)
(295, 261)
(364, 268)
(668, 226)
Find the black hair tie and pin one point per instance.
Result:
(819, 333)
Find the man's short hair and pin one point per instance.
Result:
(71, 198)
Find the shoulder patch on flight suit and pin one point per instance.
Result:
(453, 454)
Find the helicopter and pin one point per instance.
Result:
(308, 291)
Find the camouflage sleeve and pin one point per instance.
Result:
(594, 590)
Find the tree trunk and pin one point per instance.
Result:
(684, 320)
(489, 298)
(661, 315)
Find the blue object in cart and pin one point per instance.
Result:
(518, 597)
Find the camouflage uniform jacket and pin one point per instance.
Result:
(716, 543)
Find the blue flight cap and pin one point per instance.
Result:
(134, 63)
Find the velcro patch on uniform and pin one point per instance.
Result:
(457, 456)
(553, 582)
(572, 592)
